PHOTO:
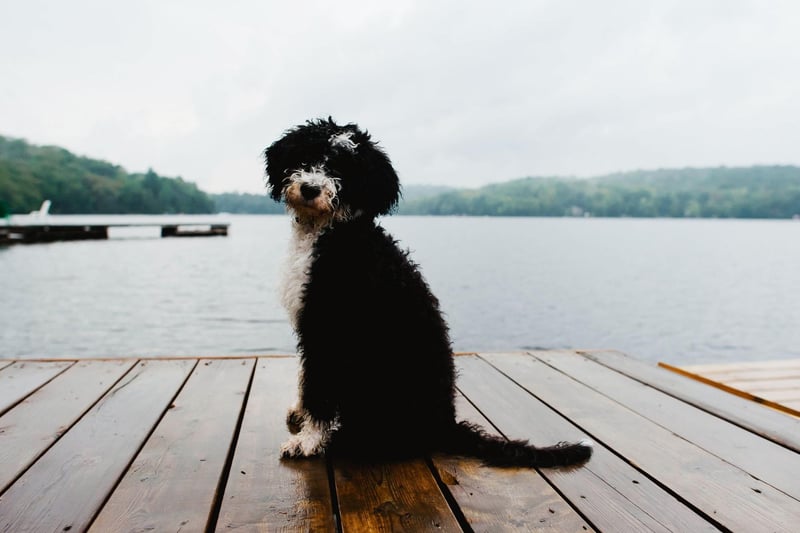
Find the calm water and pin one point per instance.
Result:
(673, 290)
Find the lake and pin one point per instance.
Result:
(658, 289)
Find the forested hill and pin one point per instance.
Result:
(30, 174)
(744, 192)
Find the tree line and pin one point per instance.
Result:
(742, 192)
(30, 174)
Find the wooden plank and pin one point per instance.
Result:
(730, 389)
(777, 364)
(264, 493)
(22, 378)
(167, 358)
(773, 425)
(64, 489)
(607, 491)
(173, 482)
(728, 494)
(37, 422)
(778, 396)
(755, 375)
(766, 384)
(401, 496)
(793, 404)
(763, 459)
(503, 499)
(52, 233)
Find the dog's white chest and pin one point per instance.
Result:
(296, 271)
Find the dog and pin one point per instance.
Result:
(377, 379)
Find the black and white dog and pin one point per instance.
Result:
(377, 377)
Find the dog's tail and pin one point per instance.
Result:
(471, 440)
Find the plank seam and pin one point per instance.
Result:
(222, 484)
(19, 401)
(60, 435)
(607, 447)
(481, 412)
(154, 358)
(142, 445)
(730, 390)
(542, 474)
(633, 465)
(699, 404)
(666, 427)
(337, 515)
(449, 498)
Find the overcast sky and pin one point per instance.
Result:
(459, 93)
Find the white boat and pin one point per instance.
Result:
(43, 211)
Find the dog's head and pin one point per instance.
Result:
(327, 172)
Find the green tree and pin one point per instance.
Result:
(30, 174)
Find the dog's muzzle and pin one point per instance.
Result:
(311, 195)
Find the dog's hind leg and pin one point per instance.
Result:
(295, 418)
(311, 420)
(297, 413)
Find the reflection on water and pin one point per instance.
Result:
(677, 290)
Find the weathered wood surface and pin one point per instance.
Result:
(503, 499)
(193, 445)
(298, 495)
(20, 379)
(67, 486)
(776, 426)
(400, 496)
(670, 459)
(39, 420)
(610, 493)
(773, 383)
(506, 499)
(173, 482)
(761, 458)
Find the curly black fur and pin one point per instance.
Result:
(372, 183)
(375, 351)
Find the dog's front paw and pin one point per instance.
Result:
(309, 442)
(294, 449)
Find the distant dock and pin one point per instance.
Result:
(772, 383)
(40, 233)
(192, 444)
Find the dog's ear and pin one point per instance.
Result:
(277, 157)
(305, 144)
(379, 190)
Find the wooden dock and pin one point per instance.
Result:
(773, 383)
(191, 444)
(39, 233)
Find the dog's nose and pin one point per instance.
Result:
(309, 192)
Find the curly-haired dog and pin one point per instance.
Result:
(377, 377)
